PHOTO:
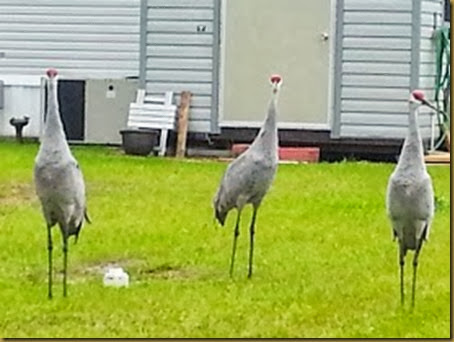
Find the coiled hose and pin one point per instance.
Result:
(443, 84)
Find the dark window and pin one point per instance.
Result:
(447, 10)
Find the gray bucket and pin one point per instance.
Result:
(139, 141)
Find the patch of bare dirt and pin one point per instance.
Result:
(167, 272)
(138, 270)
(141, 270)
(16, 193)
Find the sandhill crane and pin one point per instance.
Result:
(59, 182)
(248, 178)
(410, 199)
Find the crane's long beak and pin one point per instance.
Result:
(431, 106)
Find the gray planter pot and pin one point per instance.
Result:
(139, 142)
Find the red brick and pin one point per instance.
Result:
(237, 149)
(301, 154)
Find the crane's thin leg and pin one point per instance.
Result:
(235, 237)
(251, 246)
(49, 254)
(65, 263)
(402, 265)
(415, 266)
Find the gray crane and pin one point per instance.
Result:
(410, 198)
(248, 178)
(59, 181)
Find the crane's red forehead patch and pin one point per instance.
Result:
(51, 72)
(418, 94)
(275, 78)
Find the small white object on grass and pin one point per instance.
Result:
(116, 277)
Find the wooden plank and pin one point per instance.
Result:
(139, 97)
(151, 122)
(140, 114)
(153, 107)
(438, 158)
(183, 119)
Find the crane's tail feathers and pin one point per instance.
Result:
(425, 233)
(220, 216)
(76, 232)
(87, 218)
(79, 227)
(76, 237)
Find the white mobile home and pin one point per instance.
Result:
(348, 65)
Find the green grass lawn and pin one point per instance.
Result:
(325, 263)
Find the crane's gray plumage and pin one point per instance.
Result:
(58, 180)
(248, 178)
(410, 199)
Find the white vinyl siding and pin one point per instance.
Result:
(376, 66)
(179, 55)
(82, 39)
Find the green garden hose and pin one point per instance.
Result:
(442, 81)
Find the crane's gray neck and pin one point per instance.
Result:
(53, 127)
(412, 155)
(266, 141)
(270, 124)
